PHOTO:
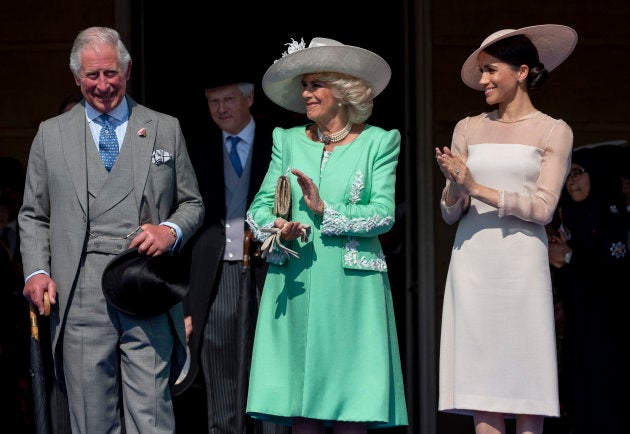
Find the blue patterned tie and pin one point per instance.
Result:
(107, 143)
(234, 158)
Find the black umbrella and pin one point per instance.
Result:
(248, 305)
(38, 378)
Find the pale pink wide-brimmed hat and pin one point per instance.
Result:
(554, 43)
(282, 82)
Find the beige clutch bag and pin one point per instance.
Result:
(282, 199)
(281, 208)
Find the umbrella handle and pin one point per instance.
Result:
(33, 315)
(247, 240)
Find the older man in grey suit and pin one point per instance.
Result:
(80, 210)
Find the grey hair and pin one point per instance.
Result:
(94, 37)
(354, 93)
(246, 88)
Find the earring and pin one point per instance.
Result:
(339, 104)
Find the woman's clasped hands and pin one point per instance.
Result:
(454, 169)
(452, 166)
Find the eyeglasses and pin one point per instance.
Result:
(576, 173)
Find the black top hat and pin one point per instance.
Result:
(142, 285)
(229, 70)
(220, 78)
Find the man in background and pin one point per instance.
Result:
(221, 307)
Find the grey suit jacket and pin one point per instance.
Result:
(53, 219)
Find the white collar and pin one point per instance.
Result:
(120, 113)
(246, 134)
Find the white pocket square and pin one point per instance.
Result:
(160, 156)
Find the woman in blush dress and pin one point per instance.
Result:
(504, 172)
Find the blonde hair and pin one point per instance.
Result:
(356, 94)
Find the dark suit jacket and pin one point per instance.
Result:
(207, 246)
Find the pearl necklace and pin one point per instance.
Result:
(335, 137)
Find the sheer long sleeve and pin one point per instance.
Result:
(539, 205)
(452, 213)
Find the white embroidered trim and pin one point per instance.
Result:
(351, 258)
(258, 234)
(334, 223)
(357, 187)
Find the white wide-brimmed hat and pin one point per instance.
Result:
(282, 81)
(554, 43)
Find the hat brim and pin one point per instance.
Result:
(554, 43)
(226, 77)
(282, 80)
(141, 285)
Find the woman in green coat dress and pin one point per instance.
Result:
(326, 348)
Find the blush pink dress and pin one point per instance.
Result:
(498, 348)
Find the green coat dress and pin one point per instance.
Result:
(326, 345)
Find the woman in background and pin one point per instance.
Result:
(590, 253)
